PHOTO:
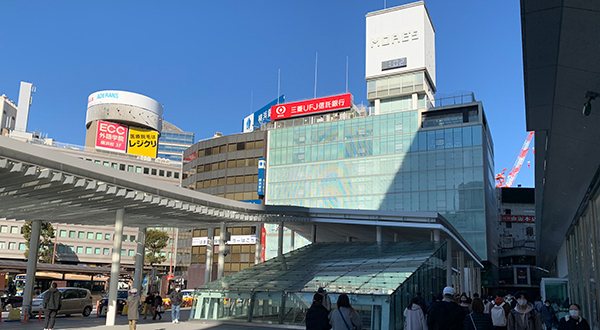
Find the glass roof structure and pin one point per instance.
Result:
(360, 268)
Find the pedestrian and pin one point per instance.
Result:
(52, 304)
(446, 314)
(133, 308)
(157, 304)
(317, 316)
(538, 304)
(414, 316)
(344, 317)
(499, 312)
(465, 303)
(573, 321)
(176, 299)
(477, 319)
(524, 316)
(422, 302)
(326, 299)
(548, 315)
(148, 304)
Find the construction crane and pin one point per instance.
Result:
(501, 180)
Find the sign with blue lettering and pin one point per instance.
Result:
(262, 165)
(261, 116)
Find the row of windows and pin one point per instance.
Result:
(232, 230)
(91, 235)
(245, 196)
(230, 180)
(395, 85)
(137, 169)
(187, 138)
(228, 164)
(13, 229)
(97, 251)
(13, 246)
(231, 147)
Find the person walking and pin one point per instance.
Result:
(414, 315)
(148, 304)
(573, 321)
(326, 299)
(52, 304)
(548, 315)
(133, 308)
(157, 304)
(317, 316)
(477, 319)
(344, 317)
(446, 314)
(176, 299)
(524, 316)
(499, 312)
(422, 302)
(465, 303)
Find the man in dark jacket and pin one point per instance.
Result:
(52, 304)
(176, 299)
(317, 316)
(446, 314)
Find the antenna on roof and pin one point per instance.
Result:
(316, 61)
(346, 74)
(278, 84)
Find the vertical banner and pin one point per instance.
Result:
(260, 188)
(263, 243)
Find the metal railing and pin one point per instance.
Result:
(444, 100)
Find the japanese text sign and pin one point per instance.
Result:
(111, 136)
(518, 218)
(142, 142)
(330, 103)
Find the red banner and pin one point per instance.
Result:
(518, 218)
(330, 103)
(111, 136)
(263, 243)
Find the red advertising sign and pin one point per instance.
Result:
(111, 136)
(330, 103)
(518, 218)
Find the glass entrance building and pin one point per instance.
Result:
(380, 279)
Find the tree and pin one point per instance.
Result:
(46, 243)
(156, 240)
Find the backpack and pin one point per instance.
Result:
(498, 315)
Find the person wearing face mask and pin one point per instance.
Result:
(548, 314)
(176, 299)
(465, 303)
(573, 321)
(524, 316)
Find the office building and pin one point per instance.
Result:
(8, 115)
(172, 142)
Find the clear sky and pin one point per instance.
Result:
(204, 59)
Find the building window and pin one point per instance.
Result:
(3, 229)
(12, 246)
(99, 236)
(169, 174)
(14, 230)
(2, 245)
(88, 250)
(90, 235)
(161, 172)
(508, 224)
(123, 252)
(129, 168)
(63, 233)
(122, 167)
(80, 249)
(131, 253)
(508, 211)
(146, 170)
(107, 237)
(22, 246)
(97, 162)
(115, 165)
(106, 251)
(106, 164)
(176, 175)
(132, 238)
(72, 234)
(153, 171)
(97, 251)
(170, 256)
(138, 169)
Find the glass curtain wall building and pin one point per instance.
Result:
(173, 142)
(380, 280)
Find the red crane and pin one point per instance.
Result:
(501, 181)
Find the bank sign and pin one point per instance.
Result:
(261, 116)
(260, 186)
(309, 107)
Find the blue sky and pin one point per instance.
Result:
(203, 59)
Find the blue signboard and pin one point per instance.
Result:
(260, 188)
(261, 116)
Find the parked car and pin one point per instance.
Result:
(121, 301)
(74, 301)
(9, 301)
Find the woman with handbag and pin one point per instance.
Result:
(344, 317)
(158, 307)
(478, 320)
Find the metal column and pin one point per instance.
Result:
(258, 246)
(448, 262)
(115, 268)
(378, 234)
(461, 272)
(221, 269)
(209, 255)
(292, 239)
(436, 236)
(280, 240)
(313, 234)
(139, 259)
(34, 248)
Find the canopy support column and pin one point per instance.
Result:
(115, 269)
(139, 259)
(34, 248)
